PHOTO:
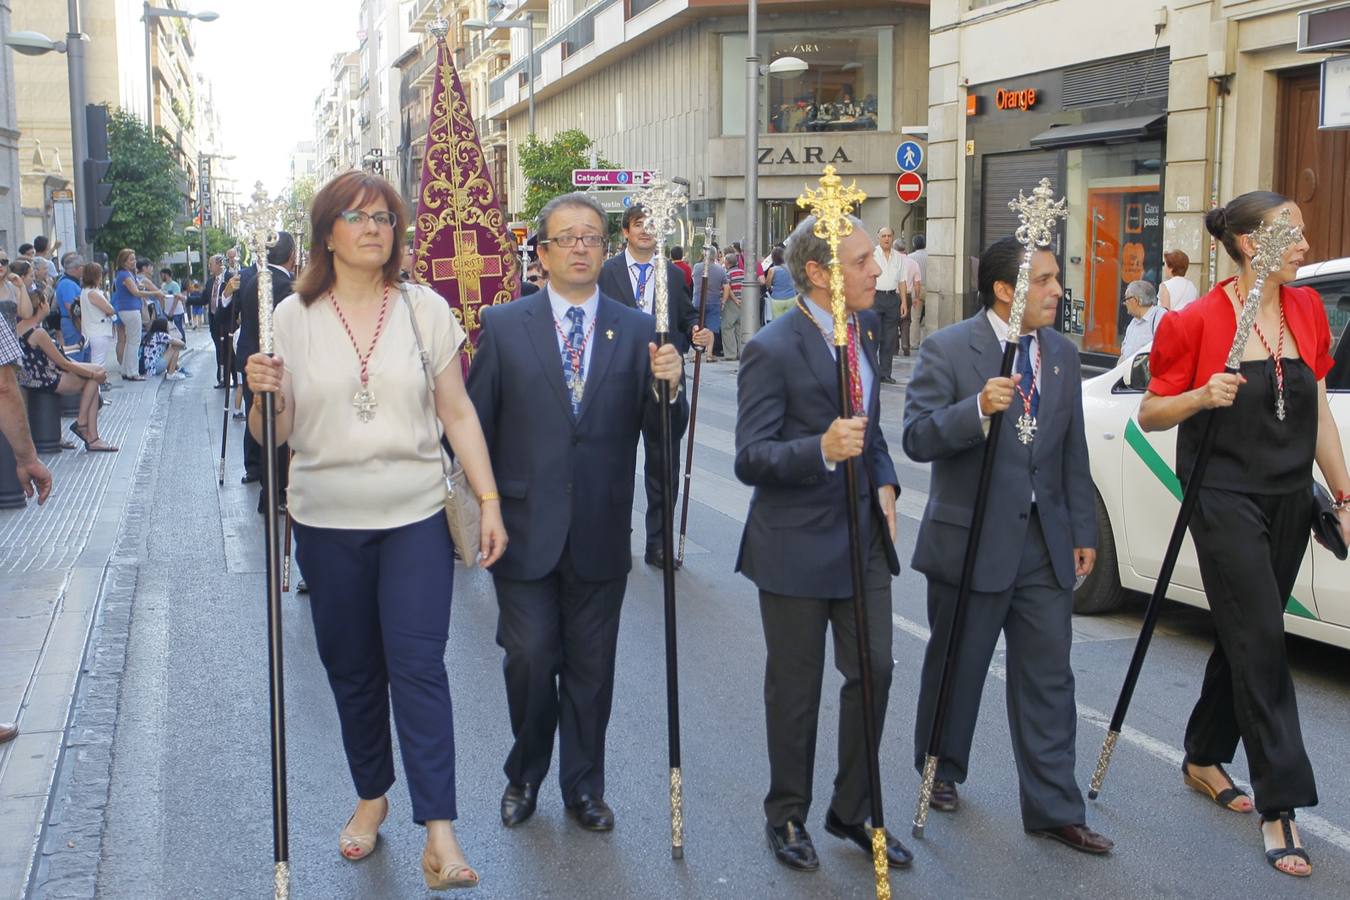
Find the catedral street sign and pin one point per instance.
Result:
(612, 177)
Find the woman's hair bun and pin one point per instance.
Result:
(1216, 221)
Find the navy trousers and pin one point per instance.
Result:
(380, 601)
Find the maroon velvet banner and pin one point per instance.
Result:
(462, 248)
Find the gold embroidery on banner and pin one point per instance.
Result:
(458, 193)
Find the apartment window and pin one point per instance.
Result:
(837, 80)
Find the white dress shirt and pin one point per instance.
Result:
(588, 309)
(825, 321)
(892, 269)
(645, 301)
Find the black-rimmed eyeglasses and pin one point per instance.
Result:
(360, 217)
(568, 241)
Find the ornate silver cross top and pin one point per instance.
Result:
(1039, 214)
(661, 201)
(1272, 242)
(259, 219)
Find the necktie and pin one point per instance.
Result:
(855, 372)
(644, 269)
(574, 358)
(1027, 387)
(215, 294)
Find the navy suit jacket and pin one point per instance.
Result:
(245, 306)
(614, 282)
(565, 482)
(942, 426)
(795, 541)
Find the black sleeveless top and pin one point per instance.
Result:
(1255, 452)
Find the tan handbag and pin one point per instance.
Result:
(462, 512)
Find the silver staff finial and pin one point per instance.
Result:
(661, 201)
(438, 28)
(1272, 242)
(1039, 214)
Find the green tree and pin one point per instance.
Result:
(547, 166)
(147, 196)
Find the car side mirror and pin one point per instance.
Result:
(1137, 378)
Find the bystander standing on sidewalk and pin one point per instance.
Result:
(175, 304)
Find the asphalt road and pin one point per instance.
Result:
(188, 811)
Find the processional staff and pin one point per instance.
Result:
(260, 218)
(1038, 214)
(1272, 243)
(662, 202)
(709, 234)
(832, 204)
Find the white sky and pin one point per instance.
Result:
(267, 60)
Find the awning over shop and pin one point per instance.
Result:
(1112, 131)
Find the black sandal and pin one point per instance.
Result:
(79, 433)
(1288, 850)
(1224, 797)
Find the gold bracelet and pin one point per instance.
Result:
(490, 495)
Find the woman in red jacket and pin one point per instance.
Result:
(1252, 518)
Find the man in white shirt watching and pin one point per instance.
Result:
(1141, 302)
(892, 299)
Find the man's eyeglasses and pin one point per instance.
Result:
(568, 241)
(533, 279)
(361, 217)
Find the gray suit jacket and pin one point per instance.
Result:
(942, 426)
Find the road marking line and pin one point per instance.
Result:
(1308, 822)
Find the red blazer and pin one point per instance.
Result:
(1193, 344)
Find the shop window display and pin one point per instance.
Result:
(837, 81)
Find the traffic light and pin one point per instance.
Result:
(96, 189)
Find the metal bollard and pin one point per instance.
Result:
(11, 494)
(44, 419)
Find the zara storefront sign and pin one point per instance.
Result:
(787, 156)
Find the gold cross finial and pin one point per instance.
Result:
(832, 205)
(661, 201)
(1039, 214)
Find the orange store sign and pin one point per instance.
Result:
(1021, 100)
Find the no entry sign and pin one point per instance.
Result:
(909, 187)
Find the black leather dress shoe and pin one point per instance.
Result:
(656, 558)
(792, 846)
(945, 798)
(886, 379)
(518, 803)
(897, 854)
(592, 813)
(249, 478)
(1079, 837)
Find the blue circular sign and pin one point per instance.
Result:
(627, 200)
(909, 156)
(624, 177)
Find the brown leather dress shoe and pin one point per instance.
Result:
(1079, 837)
(8, 732)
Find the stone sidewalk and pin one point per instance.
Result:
(55, 565)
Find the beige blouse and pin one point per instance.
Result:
(346, 473)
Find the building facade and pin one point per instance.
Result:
(11, 210)
(1143, 126)
(661, 84)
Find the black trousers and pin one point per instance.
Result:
(560, 634)
(217, 322)
(887, 307)
(1250, 547)
(253, 456)
(794, 631)
(651, 481)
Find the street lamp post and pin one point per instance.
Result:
(750, 294)
(34, 44)
(157, 12)
(527, 23)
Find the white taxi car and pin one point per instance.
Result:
(1138, 493)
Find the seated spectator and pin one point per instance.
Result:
(159, 352)
(46, 369)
